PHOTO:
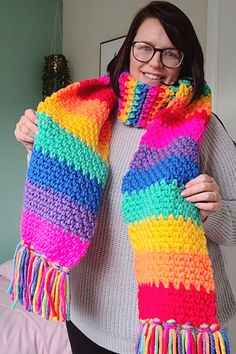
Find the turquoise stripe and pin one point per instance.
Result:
(62, 144)
(158, 199)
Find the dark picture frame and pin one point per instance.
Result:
(108, 50)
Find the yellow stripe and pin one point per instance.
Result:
(164, 235)
(86, 123)
(177, 268)
(57, 298)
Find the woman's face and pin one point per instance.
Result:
(153, 72)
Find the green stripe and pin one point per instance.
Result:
(158, 199)
(62, 144)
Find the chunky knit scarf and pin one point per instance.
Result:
(63, 193)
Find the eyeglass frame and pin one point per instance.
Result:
(154, 52)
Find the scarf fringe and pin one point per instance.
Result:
(42, 287)
(155, 337)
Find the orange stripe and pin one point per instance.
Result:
(187, 269)
(94, 110)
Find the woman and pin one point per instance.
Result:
(160, 49)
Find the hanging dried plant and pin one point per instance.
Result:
(56, 74)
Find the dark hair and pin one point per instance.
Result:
(180, 31)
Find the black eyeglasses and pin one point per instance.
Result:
(144, 52)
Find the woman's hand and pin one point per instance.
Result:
(26, 129)
(204, 192)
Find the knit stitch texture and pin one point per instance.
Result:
(64, 188)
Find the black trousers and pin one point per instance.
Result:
(80, 344)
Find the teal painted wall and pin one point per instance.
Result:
(26, 28)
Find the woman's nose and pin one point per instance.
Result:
(156, 60)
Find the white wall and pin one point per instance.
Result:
(220, 63)
(88, 23)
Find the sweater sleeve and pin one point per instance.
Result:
(218, 159)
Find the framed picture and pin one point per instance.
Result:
(108, 50)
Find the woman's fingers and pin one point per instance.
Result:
(22, 137)
(200, 187)
(26, 129)
(209, 206)
(203, 178)
(209, 196)
(30, 113)
(204, 192)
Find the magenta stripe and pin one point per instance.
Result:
(58, 246)
(59, 210)
(159, 137)
(147, 157)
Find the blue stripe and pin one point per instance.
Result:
(57, 176)
(177, 168)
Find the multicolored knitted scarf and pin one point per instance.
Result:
(63, 193)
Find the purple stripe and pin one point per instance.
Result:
(147, 157)
(60, 211)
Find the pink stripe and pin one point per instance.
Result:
(51, 241)
(196, 307)
(158, 137)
